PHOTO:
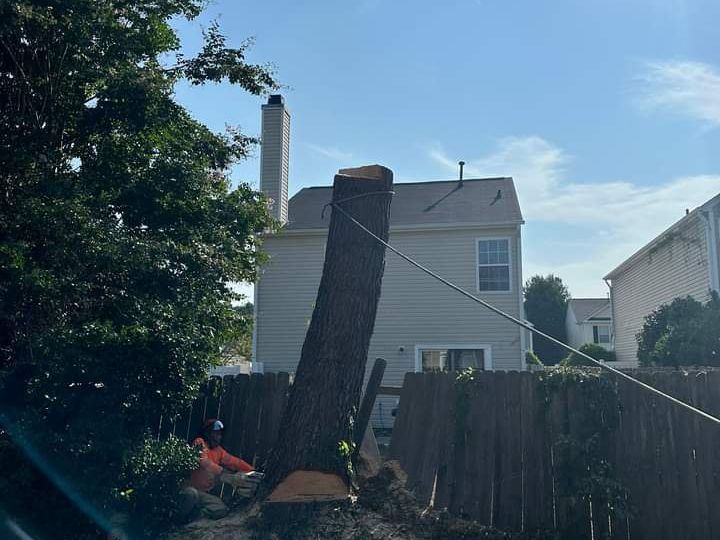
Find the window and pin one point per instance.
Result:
(601, 334)
(494, 265)
(445, 359)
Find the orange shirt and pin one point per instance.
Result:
(212, 463)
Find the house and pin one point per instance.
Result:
(589, 320)
(682, 261)
(468, 231)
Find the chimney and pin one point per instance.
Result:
(275, 155)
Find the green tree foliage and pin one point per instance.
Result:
(683, 332)
(591, 349)
(240, 342)
(546, 299)
(119, 227)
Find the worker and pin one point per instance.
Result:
(216, 466)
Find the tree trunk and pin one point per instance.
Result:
(323, 402)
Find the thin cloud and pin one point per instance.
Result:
(610, 220)
(690, 88)
(330, 152)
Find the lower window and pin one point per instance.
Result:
(601, 334)
(446, 360)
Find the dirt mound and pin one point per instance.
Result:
(384, 508)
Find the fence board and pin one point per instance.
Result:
(401, 429)
(701, 463)
(265, 418)
(251, 415)
(481, 449)
(509, 500)
(685, 438)
(234, 436)
(420, 438)
(436, 428)
(712, 448)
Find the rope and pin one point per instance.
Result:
(346, 199)
(524, 324)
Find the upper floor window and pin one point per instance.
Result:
(494, 265)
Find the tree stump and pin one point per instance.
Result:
(316, 434)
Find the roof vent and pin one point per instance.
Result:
(462, 165)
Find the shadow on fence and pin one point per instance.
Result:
(491, 453)
(250, 406)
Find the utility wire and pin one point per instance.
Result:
(524, 324)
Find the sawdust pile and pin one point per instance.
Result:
(385, 509)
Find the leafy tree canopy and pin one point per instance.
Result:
(119, 227)
(546, 299)
(239, 344)
(683, 332)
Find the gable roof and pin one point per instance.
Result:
(687, 219)
(480, 201)
(584, 308)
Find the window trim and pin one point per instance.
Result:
(510, 263)
(487, 352)
(596, 334)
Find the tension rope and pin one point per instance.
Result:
(515, 320)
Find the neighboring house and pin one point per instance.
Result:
(468, 231)
(236, 368)
(682, 261)
(589, 320)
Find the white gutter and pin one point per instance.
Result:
(255, 366)
(711, 239)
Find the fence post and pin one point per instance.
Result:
(368, 401)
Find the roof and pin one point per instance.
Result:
(659, 238)
(584, 308)
(479, 201)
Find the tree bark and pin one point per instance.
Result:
(325, 395)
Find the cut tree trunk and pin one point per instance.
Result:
(323, 403)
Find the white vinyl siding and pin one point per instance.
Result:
(414, 308)
(676, 266)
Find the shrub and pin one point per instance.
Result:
(532, 359)
(152, 477)
(591, 349)
(683, 332)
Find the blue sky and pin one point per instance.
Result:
(605, 112)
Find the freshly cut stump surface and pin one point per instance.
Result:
(309, 486)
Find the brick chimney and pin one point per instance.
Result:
(275, 155)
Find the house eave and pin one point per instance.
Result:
(659, 238)
(411, 228)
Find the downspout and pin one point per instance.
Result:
(711, 241)
(255, 366)
(612, 313)
(523, 332)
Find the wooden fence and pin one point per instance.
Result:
(250, 406)
(497, 462)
